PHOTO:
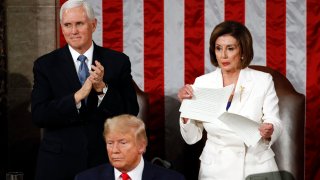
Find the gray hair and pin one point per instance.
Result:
(76, 3)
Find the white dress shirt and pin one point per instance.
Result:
(135, 174)
(75, 55)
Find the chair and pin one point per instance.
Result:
(143, 101)
(289, 148)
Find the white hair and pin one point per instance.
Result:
(76, 3)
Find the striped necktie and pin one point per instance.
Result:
(83, 72)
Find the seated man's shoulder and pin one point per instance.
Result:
(97, 172)
(162, 172)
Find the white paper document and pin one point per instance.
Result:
(245, 128)
(206, 103)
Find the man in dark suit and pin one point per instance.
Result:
(75, 89)
(126, 140)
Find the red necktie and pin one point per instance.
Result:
(125, 176)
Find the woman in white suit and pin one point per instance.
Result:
(225, 156)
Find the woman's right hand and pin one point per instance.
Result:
(186, 92)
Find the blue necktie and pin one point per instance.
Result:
(83, 72)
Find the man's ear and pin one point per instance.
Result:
(142, 147)
(94, 25)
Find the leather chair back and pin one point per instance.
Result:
(143, 101)
(289, 148)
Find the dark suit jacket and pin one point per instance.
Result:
(150, 172)
(72, 140)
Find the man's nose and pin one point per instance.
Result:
(74, 30)
(115, 148)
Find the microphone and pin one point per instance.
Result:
(164, 163)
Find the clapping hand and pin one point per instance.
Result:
(96, 76)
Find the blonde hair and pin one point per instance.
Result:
(126, 123)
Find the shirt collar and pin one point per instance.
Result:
(134, 174)
(88, 54)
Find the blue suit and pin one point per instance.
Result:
(72, 139)
(150, 172)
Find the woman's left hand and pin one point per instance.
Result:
(266, 130)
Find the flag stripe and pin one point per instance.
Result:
(256, 12)
(174, 50)
(194, 39)
(97, 34)
(133, 44)
(296, 44)
(313, 89)
(214, 14)
(154, 70)
(276, 35)
(234, 10)
(112, 24)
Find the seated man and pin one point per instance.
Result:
(126, 140)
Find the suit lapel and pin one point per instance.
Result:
(218, 77)
(68, 68)
(242, 91)
(96, 54)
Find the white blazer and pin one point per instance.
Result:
(225, 155)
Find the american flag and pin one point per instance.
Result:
(167, 42)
